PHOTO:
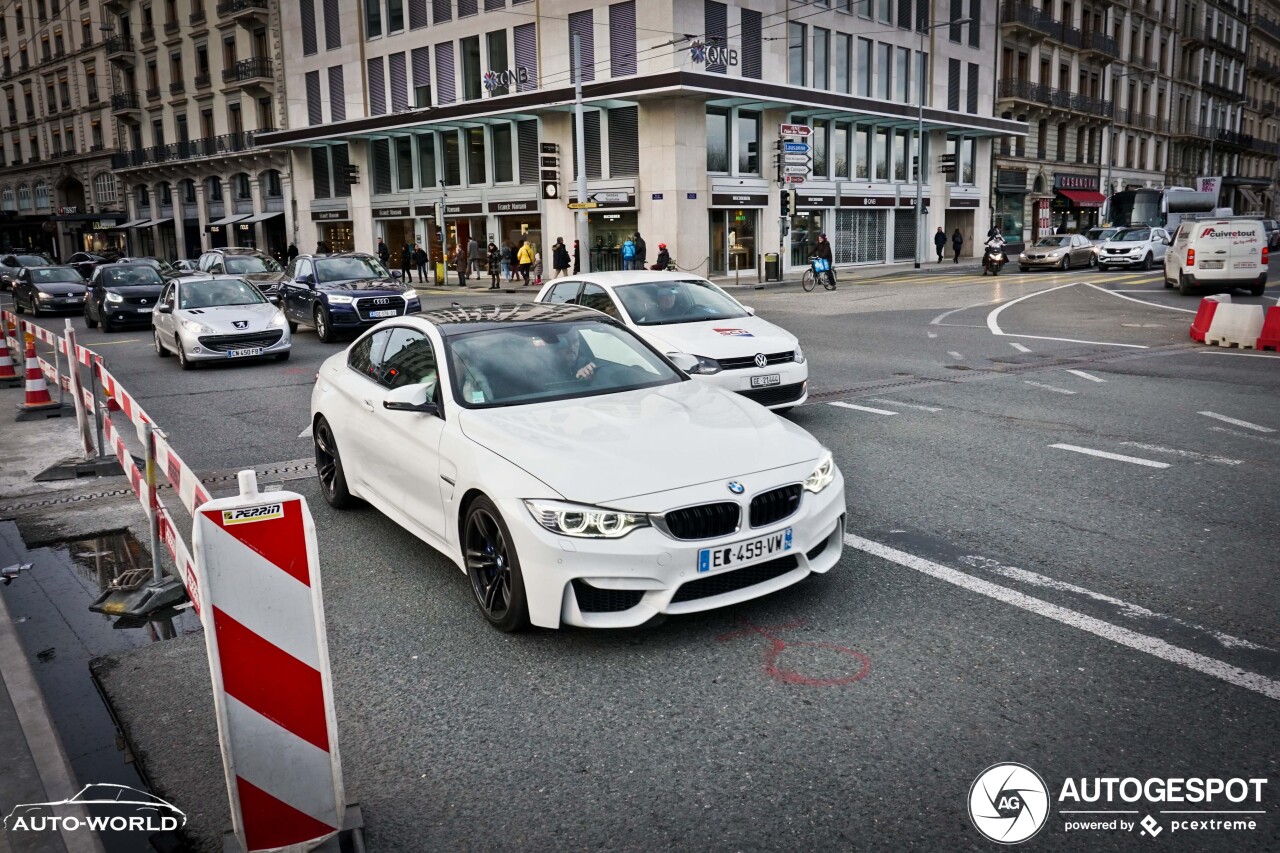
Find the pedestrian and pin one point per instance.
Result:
(560, 257)
(495, 265)
(406, 263)
(577, 264)
(473, 255)
(524, 257)
(992, 231)
(642, 251)
(292, 252)
(628, 254)
(537, 268)
(940, 242)
(957, 242)
(420, 259)
(320, 248)
(384, 253)
(505, 257)
(460, 263)
(664, 257)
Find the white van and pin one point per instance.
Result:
(1220, 253)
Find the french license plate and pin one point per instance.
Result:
(1211, 265)
(244, 353)
(744, 553)
(766, 381)
(390, 313)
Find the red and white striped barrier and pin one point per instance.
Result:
(1236, 326)
(184, 481)
(117, 396)
(38, 402)
(1204, 315)
(1269, 337)
(257, 567)
(8, 372)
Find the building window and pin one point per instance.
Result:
(622, 38)
(42, 195)
(844, 59)
(580, 25)
(748, 142)
(427, 160)
(717, 140)
(372, 18)
(821, 57)
(471, 86)
(864, 68)
(104, 189)
(503, 163)
(884, 71)
(419, 59)
(902, 76)
(404, 163)
(496, 42)
(476, 171)
(395, 16)
(451, 154)
(796, 57)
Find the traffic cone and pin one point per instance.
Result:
(8, 375)
(38, 403)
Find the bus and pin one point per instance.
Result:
(1158, 207)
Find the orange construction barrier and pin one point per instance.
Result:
(1270, 337)
(8, 374)
(38, 402)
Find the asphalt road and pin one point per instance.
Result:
(1005, 595)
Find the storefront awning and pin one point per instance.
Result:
(1084, 198)
(133, 223)
(147, 223)
(260, 217)
(161, 221)
(230, 220)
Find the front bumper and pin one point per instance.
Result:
(790, 389)
(196, 351)
(1105, 260)
(1033, 263)
(60, 303)
(623, 583)
(127, 315)
(347, 316)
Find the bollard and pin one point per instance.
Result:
(77, 392)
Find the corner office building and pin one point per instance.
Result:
(457, 102)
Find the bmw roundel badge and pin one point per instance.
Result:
(736, 487)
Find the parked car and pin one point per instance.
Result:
(185, 266)
(1058, 251)
(84, 262)
(165, 268)
(10, 265)
(573, 472)
(1273, 233)
(685, 313)
(43, 289)
(122, 294)
(216, 319)
(258, 267)
(1098, 236)
(342, 293)
(1140, 246)
(1222, 253)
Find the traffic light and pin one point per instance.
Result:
(788, 203)
(550, 169)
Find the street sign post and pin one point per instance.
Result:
(794, 130)
(583, 205)
(611, 197)
(795, 170)
(795, 147)
(793, 179)
(801, 159)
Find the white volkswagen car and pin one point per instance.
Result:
(683, 313)
(216, 319)
(574, 473)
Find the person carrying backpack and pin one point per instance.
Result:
(628, 254)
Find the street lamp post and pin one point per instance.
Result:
(920, 238)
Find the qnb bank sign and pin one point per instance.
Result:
(98, 808)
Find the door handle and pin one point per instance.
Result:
(368, 404)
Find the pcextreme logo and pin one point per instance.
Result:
(116, 808)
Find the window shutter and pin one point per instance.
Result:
(320, 172)
(381, 166)
(399, 82)
(466, 8)
(419, 58)
(953, 84)
(308, 27)
(446, 86)
(315, 111)
(332, 25)
(337, 94)
(341, 159)
(580, 24)
(904, 14)
(494, 5)
(526, 39)
(624, 142)
(622, 39)
(527, 131)
(591, 134)
(972, 105)
(957, 12)
(441, 11)
(418, 14)
(716, 21)
(377, 87)
(751, 44)
(975, 23)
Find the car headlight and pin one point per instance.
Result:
(277, 320)
(196, 328)
(822, 475)
(799, 356)
(114, 297)
(706, 366)
(340, 300)
(584, 521)
(410, 294)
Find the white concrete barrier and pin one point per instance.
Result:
(1236, 326)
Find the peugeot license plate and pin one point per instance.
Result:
(244, 353)
(744, 553)
(766, 380)
(390, 313)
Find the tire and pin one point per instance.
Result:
(35, 307)
(17, 304)
(1092, 261)
(493, 567)
(1168, 283)
(1066, 263)
(161, 349)
(1185, 287)
(333, 480)
(283, 356)
(324, 331)
(187, 364)
(1258, 288)
(808, 281)
(293, 327)
(88, 319)
(107, 327)
(1146, 263)
(829, 281)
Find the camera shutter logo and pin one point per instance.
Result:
(1009, 803)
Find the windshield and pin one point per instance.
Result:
(1140, 235)
(216, 292)
(1054, 242)
(32, 261)
(245, 264)
(515, 365)
(55, 274)
(661, 303)
(130, 275)
(344, 269)
(1101, 233)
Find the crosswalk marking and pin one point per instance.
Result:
(1088, 451)
(862, 408)
(1088, 376)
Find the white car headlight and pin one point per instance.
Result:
(277, 320)
(822, 475)
(584, 521)
(196, 328)
(409, 295)
(114, 297)
(706, 366)
(340, 300)
(799, 356)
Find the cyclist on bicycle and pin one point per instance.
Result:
(823, 252)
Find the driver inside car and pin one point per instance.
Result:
(573, 357)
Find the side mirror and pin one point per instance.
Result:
(274, 300)
(412, 398)
(684, 361)
(749, 310)
(164, 308)
(308, 279)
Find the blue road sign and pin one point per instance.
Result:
(795, 147)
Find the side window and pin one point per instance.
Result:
(304, 268)
(166, 296)
(366, 353)
(409, 359)
(593, 296)
(203, 263)
(564, 293)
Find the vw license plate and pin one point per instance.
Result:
(390, 313)
(766, 381)
(243, 353)
(744, 553)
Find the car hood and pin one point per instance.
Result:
(223, 318)
(363, 286)
(736, 338)
(135, 289)
(59, 288)
(1125, 244)
(260, 276)
(1047, 250)
(600, 450)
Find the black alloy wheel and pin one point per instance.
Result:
(1066, 262)
(88, 316)
(1146, 263)
(333, 482)
(493, 567)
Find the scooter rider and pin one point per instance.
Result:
(995, 243)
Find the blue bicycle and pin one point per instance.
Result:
(819, 270)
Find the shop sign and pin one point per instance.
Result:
(739, 200)
(811, 200)
(390, 212)
(463, 208)
(102, 225)
(1075, 182)
(965, 202)
(507, 77)
(867, 201)
(609, 199)
(910, 201)
(329, 215)
(62, 211)
(518, 206)
(1011, 179)
(712, 54)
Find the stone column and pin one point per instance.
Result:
(361, 205)
(259, 227)
(202, 214)
(299, 193)
(155, 210)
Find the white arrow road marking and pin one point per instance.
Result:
(306, 433)
(1049, 387)
(993, 323)
(1107, 631)
(1019, 347)
(1116, 456)
(1143, 301)
(1088, 376)
(1238, 423)
(862, 408)
(903, 405)
(1186, 454)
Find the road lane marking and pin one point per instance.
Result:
(862, 408)
(937, 321)
(1049, 387)
(306, 433)
(1088, 376)
(1063, 615)
(954, 354)
(903, 405)
(1074, 341)
(1236, 422)
(1247, 435)
(1019, 347)
(1228, 352)
(1088, 451)
(932, 334)
(1140, 301)
(1186, 454)
(993, 323)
